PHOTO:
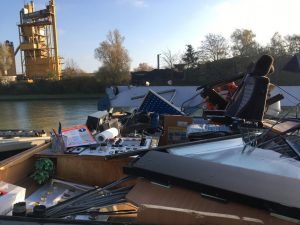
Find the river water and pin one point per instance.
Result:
(45, 114)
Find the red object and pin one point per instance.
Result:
(210, 106)
(226, 91)
(2, 193)
(232, 87)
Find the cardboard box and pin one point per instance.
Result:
(175, 129)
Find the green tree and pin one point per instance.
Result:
(244, 43)
(293, 44)
(214, 47)
(114, 58)
(190, 57)
(5, 59)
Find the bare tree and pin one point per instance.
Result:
(71, 68)
(114, 58)
(244, 43)
(213, 48)
(293, 44)
(143, 67)
(277, 46)
(5, 59)
(170, 59)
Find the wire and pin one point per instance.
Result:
(288, 93)
(190, 99)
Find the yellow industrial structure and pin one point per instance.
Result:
(38, 42)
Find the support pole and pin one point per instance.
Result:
(57, 60)
(158, 61)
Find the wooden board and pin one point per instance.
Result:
(149, 214)
(283, 127)
(18, 167)
(19, 145)
(90, 170)
(146, 193)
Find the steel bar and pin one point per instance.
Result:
(56, 208)
(95, 198)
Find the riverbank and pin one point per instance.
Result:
(49, 97)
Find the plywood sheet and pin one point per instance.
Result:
(146, 193)
(90, 170)
(152, 214)
(282, 127)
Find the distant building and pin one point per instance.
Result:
(156, 77)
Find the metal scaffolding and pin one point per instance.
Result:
(38, 42)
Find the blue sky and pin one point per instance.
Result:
(153, 26)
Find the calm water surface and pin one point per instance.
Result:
(45, 114)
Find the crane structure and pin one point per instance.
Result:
(38, 42)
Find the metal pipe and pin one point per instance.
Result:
(158, 61)
(57, 61)
(20, 40)
(83, 209)
(54, 209)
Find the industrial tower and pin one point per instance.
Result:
(38, 42)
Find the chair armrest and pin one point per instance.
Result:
(274, 99)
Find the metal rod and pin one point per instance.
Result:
(84, 209)
(90, 194)
(57, 61)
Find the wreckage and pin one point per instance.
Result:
(160, 165)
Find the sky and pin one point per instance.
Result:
(151, 27)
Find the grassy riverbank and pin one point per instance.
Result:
(44, 89)
(49, 97)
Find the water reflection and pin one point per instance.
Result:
(44, 114)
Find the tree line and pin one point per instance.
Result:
(115, 60)
(242, 43)
(218, 58)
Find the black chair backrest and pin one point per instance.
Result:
(250, 100)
